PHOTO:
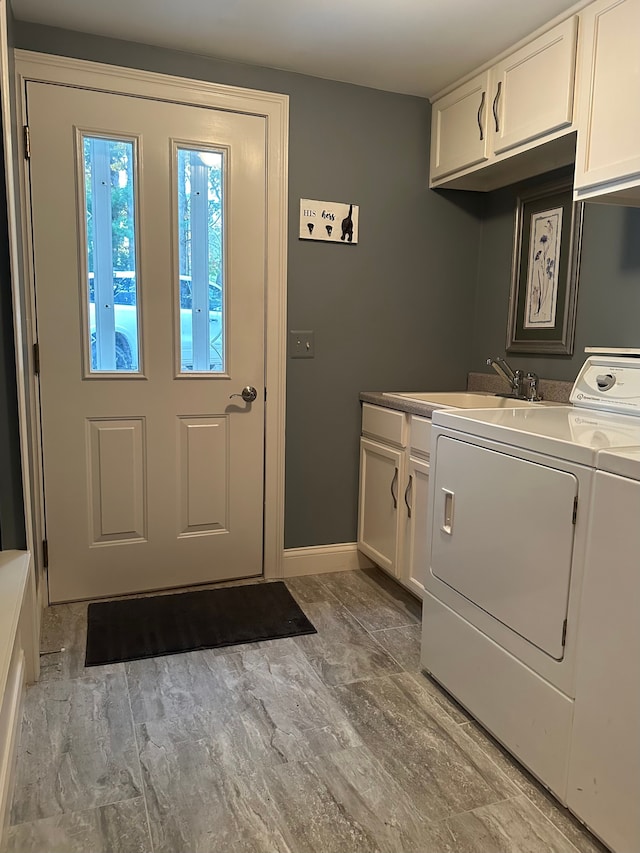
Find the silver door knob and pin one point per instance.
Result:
(248, 394)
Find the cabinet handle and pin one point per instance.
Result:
(406, 494)
(447, 523)
(394, 495)
(495, 106)
(480, 109)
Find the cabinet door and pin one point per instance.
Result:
(532, 90)
(380, 478)
(459, 128)
(416, 502)
(609, 96)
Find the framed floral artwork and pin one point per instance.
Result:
(546, 264)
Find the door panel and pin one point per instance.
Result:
(502, 537)
(153, 476)
(117, 483)
(203, 462)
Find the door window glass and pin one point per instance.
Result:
(200, 252)
(110, 216)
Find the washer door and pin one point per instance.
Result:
(503, 538)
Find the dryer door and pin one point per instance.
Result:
(503, 538)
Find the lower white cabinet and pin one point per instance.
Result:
(394, 488)
(415, 539)
(380, 467)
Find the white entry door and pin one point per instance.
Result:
(148, 242)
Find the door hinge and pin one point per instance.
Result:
(45, 553)
(27, 142)
(265, 394)
(36, 359)
(575, 510)
(564, 632)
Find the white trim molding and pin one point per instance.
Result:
(275, 109)
(319, 559)
(22, 338)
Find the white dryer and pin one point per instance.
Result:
(604, 760)
(510, 496)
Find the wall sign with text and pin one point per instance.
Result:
(331, 221)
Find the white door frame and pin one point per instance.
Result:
(274, 108)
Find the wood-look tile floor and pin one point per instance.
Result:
(331, 743)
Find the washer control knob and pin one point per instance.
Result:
(605, 381)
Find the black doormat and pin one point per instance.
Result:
(135, 628)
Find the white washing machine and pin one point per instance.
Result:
(510, 498)
(604, 760)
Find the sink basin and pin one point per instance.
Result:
(460, 399)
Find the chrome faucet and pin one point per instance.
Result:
(530, 387)
(522, 387)
(513, 377)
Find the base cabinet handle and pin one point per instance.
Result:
(394, 493)
(408, 491)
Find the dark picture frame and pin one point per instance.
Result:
(545, 270)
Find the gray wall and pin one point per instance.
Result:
(12, 532)
(394, 312)
(608, 292)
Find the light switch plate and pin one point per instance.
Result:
(302, 344)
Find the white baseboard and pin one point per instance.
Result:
(318, 559)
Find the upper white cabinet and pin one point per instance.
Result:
(516, 118)
(459, 131)
(608, 110)
(533, 89)
(522, 102)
